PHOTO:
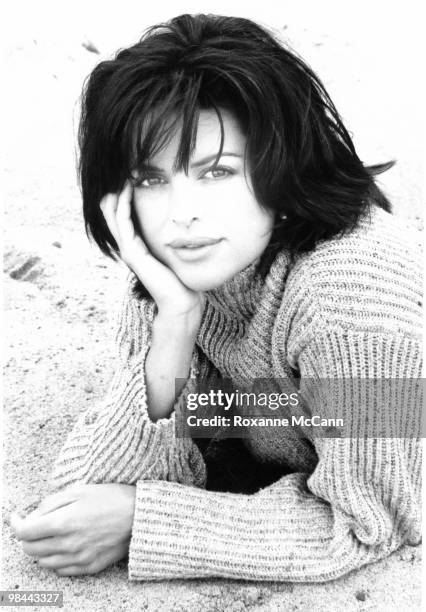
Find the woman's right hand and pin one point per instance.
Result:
(172, 297)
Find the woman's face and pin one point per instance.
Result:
(177, 212)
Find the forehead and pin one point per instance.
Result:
(208, 137)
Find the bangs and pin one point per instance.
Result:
(155, 119)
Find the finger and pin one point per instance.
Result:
(108, 207)
(37, 527)
(55, 501)
(46, 547)
(123, 203)
(73, 570)
(126, 228)
(58, 562)
(14, 520)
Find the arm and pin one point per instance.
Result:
(83, 529)
(360, 504)
(117, 441)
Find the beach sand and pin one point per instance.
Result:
(61, 301)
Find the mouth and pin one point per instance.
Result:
(191, 250)
(193, 243)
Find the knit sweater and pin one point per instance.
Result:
(349, 308)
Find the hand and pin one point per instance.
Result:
(168, 292)
(81, 530)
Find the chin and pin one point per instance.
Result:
(203, 282)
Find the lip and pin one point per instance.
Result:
(195, 253)
(193, 243)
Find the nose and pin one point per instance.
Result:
(184, 202)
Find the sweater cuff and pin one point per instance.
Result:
(118, 442)
(171, 525)
(186, 532)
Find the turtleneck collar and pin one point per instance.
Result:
(240, 295)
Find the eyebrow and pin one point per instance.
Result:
(197, 164)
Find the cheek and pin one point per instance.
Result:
(246, 215)
(150, 217)
(238, 205)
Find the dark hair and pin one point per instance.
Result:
(302, 160)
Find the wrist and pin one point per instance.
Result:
(128, 508)
(178, 323)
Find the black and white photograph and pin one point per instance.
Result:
(213, 306)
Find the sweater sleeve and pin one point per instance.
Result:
(116, 441)
(361, 502)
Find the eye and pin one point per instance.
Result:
(146, 181)
(219, 172)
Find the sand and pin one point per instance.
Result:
(61, 300)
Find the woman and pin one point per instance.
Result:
(214, 164)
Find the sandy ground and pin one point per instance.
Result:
(61, 301)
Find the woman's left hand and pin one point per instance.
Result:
(81, 530)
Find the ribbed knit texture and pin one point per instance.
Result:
(350, 308)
